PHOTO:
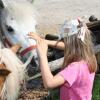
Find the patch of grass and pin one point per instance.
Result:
(54, 94)
(96, 88)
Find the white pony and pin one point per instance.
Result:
(17, 20)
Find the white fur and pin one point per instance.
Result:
(20, 15)
(11, 86)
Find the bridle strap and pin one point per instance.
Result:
(7, 43)
(22, 53)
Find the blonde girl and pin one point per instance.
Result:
(77, 75)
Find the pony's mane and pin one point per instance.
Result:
(12, 85)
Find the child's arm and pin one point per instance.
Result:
(49, 80)
(55, 44)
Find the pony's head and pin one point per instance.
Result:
(17, 20)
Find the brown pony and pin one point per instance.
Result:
(12, 73)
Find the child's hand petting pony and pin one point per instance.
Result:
(42, 46)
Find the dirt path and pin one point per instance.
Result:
(52, 13)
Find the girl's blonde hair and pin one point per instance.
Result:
(76, 50)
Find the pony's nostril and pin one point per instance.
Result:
(9, 28)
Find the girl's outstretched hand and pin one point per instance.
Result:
(42, 46)
(33, 35)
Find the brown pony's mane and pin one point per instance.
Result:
(15, 69)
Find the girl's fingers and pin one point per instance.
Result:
(33, 35)
(42, 46)
(41, 43)
(32, 38)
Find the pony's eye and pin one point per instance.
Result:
(9, 28)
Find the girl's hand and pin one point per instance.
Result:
(34, 36)
(42, 47)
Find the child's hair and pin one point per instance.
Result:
(76, 49)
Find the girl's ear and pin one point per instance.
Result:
(4, 71)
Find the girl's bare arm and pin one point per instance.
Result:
(49, 80)
(56, 44)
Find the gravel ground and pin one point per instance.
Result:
(52, 13)
(38, 94)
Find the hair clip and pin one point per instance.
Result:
(81, 33)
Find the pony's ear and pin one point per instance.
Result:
(31, 1)
(4, 71)
(1, 4)
(4, 3)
